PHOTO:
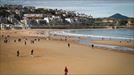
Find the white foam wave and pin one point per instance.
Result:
(67, 33)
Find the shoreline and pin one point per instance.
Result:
(66, 33)
(54, 52)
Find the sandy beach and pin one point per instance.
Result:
(51, 56)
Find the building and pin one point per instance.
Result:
(107, 20)
(47, 19)
(130, 23)
(33, 16)
(5, 26)
(70, 20)
(32, 19)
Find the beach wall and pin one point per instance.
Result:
(77, 27)
(70, 27)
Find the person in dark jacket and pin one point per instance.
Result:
(92, 46)
(25, 42)
(68, 44)
(32, 52)
(66, 70)
(18, 53)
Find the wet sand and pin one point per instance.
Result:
(51, 56)
(124, 43)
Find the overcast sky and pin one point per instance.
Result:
(97, 8)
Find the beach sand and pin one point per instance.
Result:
(51, 56)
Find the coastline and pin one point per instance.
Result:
(88, 41)
(54, 53)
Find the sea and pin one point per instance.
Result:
(117, 34)
(99, 34)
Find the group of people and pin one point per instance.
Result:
(25, 42)
(6, 40)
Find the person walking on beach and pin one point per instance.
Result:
(69, 45)
(5, 41)
(66, 70)
(14, 40)
(25, 42)
(19, 40)
(18, 53)
(32, 41)
(92, 46)
(32, 52)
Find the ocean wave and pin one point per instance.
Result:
(68, 33)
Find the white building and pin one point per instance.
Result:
(47, 19)
(33, 15)
(68, 20)
(108, 20)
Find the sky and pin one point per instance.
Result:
(96, 8)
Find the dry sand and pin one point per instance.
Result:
(51, 56)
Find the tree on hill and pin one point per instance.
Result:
(4, 13)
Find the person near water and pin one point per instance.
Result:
(66, 70)
(68, 44)
(18, 53)
(92, 46)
